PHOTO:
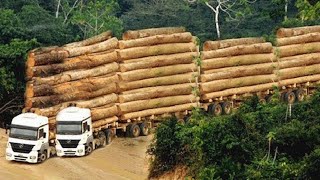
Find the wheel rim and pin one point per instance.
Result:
(145, 130)
(42, 157)
(227, 108)
(291, 98)
(300, 96)
(217, 110)
(136, 131)
(89, 149)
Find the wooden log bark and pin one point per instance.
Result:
(239, 91)
(155, 103)
(160, 81)
(298, 71)
(103, 122)
(162, 49)
(216, 63)
(47, 101)
(102, 113)
(299, 80)
(50, 111)
(80, 62)
(157, 72)
(240, 71)
(87, 85)
(99, 101)
(288, 32)
(220, 85)
(42, 50)
(93, 40)
(158, 61)
(77, 74)
(99, 47)
(214, 45)
(297, 49)
(306, 38)
(238, 50)
(54, 56)
(163, 91)
(158, 39)
(299, 61)
(157, 111)
(151, 32)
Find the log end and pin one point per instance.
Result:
(31, 60)
(29, 90)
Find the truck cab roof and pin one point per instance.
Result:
(73, 114)
(30, 119)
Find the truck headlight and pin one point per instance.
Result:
(9, 154)
(33, 157)
(80, 150)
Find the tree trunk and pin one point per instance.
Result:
(99, 47)
(157, 111)
(300, 61)
(99, 101)
(298, 71)
(288, 32)
(161, 49)
(102, 113)
(135, 106)
(150, 93)
(157, 61)
(220, 85)
(151, 32)
(249, 59)
(48, 112)
(298, 80)
(214, 45)
(80, 62)
(103, 122)
(77, 74)
(43, 50)
(157, 72)
(297, 49)
(93, 40)
(158, 39)
(302, 39)
(238, 50)
(160, 81)
(51, 57)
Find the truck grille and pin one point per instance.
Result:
(20, 158)
(21, 148)
(69, 143)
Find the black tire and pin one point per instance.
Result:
(42, 157)
(89, 149)
(144, 129)
(268, 98)
(290, 97)
(215, 109)
(102, 138)
(128, 129)
(134, 130)
(108, 134)
(186, 118)
(300, 95)
(226, 108)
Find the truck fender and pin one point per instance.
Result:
(89, 140)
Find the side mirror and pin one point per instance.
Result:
(44, 135)
(88, 127)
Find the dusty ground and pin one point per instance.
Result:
(124, 158)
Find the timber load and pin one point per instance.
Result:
(158, 72)
(236, 66)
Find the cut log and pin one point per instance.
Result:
(216, 63)
(103, 122)
(302, 56)
(162, 49)
(42, 50)
(77, 74)
(99, 101)
(102, 113)
(300, 61)
(160, 81)
(306, 38)
(151, 32)
(298, 71)
(288, 32)
(52, 135)
(155, 103)
(157, 111)
(238, 50)
(50, 111)
(304, 79)
(80, 62)
(214, 45)
(87, 85)
(297, 49)
(47, 101)
(158, 61)
(157, 72)
(163, 91)
(54, 56)
(93, 40)
(158, 39)
(239, 91)
(220, 85)
(240, 71)
(99, 47)
(147, 89)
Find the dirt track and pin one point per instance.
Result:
(124, 158)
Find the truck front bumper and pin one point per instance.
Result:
(31, 157)
(79, 151)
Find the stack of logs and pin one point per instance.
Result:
(157, 72)
(298, 52)
(82, 72)
(236, 66)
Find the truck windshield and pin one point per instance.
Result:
(69, 129)
(27, 134)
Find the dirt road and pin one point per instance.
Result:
(124, 158)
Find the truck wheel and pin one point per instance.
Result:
(299, 95)
(290, 97)
(102, 138)
(134, 130)
(226, 108)
(144, 129)
(108, 136)
(215, 109)
(89, 149)
(268, 98)
(42, 156)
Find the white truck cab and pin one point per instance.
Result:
(29, 139)
(74, 135)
